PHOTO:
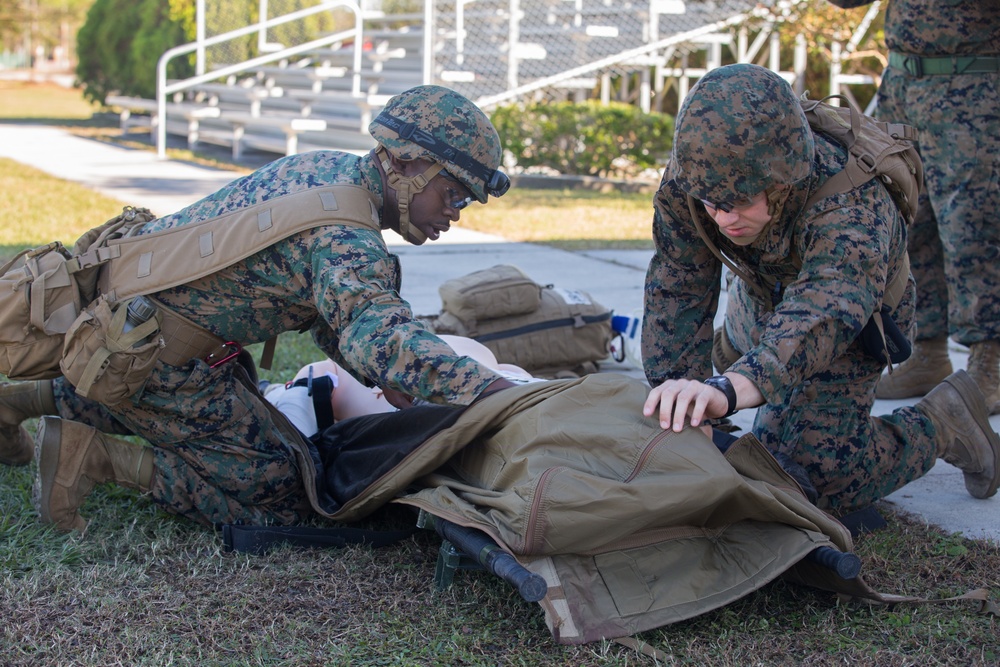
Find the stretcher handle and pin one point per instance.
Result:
(478, 545)
(845, 564)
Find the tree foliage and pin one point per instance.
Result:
(588, 139)
(122, 41)
(120, 44)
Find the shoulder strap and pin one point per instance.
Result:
(845, 123)
(152, 262)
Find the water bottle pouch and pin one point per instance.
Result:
(104, 362)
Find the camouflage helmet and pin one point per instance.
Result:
(438, 124)
(740, 131)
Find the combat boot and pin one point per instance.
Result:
(72, 458)
(928, 366)
(964, 436)
(20, 401)
(984, 368)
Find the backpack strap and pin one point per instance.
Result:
(147, 263)
(153, 262)
(860, 167)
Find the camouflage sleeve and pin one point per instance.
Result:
(681, 294)
(916, 26)
(845, 242)
(373, 331)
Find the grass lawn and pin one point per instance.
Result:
(145, 588)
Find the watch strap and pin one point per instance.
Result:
(723, 384)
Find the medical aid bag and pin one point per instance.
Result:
(547, 330)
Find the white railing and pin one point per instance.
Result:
(164, 89)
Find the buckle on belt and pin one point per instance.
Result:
(914, 65)
(226, 352)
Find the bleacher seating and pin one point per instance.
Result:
(311, 99)
(298, 104)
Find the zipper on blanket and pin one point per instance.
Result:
(646, 453)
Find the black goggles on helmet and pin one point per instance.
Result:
(495, 182)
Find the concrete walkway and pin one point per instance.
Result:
(613, 277)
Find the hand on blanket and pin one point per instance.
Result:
(494, 386)
(689, 402)
(397, 399)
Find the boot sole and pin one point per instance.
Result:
(47, 456)
(47, 449)
(966, 386)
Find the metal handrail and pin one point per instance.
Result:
(163, 89)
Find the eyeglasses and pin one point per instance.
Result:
(459, 198)
(727, 207)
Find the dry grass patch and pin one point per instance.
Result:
(570, 219)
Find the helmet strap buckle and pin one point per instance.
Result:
(406, 187)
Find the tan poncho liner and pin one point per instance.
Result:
(633, 527)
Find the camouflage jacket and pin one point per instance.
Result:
(339, 282)
(939, 27)
(832, 261)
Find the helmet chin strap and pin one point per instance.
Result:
(405, 188)
(776, 198)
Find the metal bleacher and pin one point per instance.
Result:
(323, 93)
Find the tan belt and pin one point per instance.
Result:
(184, 340)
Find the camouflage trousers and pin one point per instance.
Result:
(219, 458)
(954, 243)
(825, 424)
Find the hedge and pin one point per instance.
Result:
(585, 139)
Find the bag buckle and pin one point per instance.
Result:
(226, 352)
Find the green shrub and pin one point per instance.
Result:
(121, 42)
(588, 139)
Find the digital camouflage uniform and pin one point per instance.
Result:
(955, 240)
(802, 353)
(218, 455)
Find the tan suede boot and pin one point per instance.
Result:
(965, 438)
(20, 401)
(72, 458)
(984, 368)
(928, 366)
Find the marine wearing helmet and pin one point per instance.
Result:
(741, 134)
(441, 126)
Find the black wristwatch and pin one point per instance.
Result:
(722, 383)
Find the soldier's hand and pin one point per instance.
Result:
(495, 386)
(679, 403)
(397, 399)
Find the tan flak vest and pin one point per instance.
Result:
(149, 263)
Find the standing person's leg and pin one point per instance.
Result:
(929, 363)
(217, 455)
(960, 145)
